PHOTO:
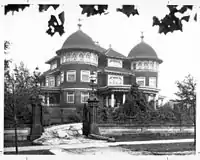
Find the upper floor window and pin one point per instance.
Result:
(71, 76)
(53, 65)
(115, 80)
(62, 77)
(134, 65)
(58, 81)
(70, 97)
(152, 81)
(114, 63)
(84, 97)
(85, 76)
(140, 81)
(47, 81)
(51, 81)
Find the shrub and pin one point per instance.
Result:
(74, 118)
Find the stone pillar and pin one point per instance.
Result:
(107, 101)
(124, 98)
(36, 128)
(112, 100)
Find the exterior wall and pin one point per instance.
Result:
(127, 79)
(102, 79)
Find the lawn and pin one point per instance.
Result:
(150, 136)
(31, 152)
(160, 149)
(20, 143)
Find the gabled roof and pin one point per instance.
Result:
(112, 53)
(50, 60)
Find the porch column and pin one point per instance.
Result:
(43, 99)
(107, 101)
(48, 99)
(154, 101)
(112, 100)
(124, 97)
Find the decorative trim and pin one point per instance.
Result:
(89, 89)
(118, 72)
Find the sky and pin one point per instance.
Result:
(179, 50)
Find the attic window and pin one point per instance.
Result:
(114, 63)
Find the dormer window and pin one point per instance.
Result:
(53, 65)
(114, 63)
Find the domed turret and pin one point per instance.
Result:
(79, 40)
(143, 51)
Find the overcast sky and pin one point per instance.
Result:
(179, 50)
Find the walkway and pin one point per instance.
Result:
(97, 144)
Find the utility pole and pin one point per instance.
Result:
(15, 119)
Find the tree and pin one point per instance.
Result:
(187, 97)
(19, 87)
(169, 23)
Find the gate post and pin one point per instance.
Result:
(36, 128)
(93, 104)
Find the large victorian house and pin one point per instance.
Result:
(67, 83)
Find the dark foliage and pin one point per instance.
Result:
(45, 7)
(54, 26)
(15, 7)
(128, 10)
(91, 10)
(171, 22)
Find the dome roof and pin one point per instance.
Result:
(143, 51)
(80, 40)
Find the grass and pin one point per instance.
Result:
(20, 143)
(31, 152)
(156, 148)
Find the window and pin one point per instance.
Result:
(146, 65)
(139, 65)
(70, 97)
(85, 76)
(62, 77)
(47, 81)
(58, 80)
(51, 81)
(84, 97)
(114, 63)
(53, 65)
(96, 75)
(152, 81)
(140, 81)
(115, 80)
(71, 76)
(134, 65)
